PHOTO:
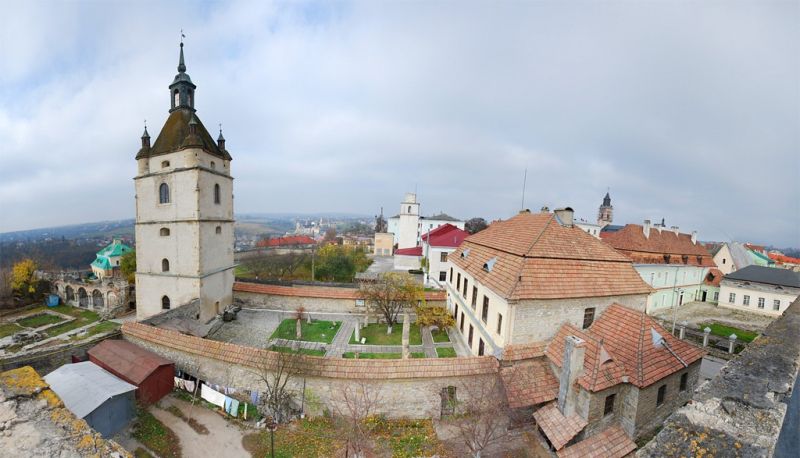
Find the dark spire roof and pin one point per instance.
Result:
(181, 63)
(145, 134)
(183, 129)
(607, 200)
(220, 134)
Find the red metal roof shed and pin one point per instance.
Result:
(152, 374)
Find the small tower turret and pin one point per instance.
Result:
(605, 215)
(182, 89)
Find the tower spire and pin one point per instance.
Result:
(181, 63)
(182, 89)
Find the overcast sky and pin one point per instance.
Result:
(685, 110)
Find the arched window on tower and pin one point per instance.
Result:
(216, 194)
(409, 208)
(164, 231)
(165, 303)
(219, 230)
(177, 98)
(163, 193)
(165, 265)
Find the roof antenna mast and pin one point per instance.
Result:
(524, 182)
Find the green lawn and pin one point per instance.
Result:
(376, 335)
(440, 336)
(105, 326)
(317, 331)
(41, 319)
(446, 352)
(155, 436)
(310, 437)
(352, 355)
(725, 331)
(301, 351)
(7, 329)
(83, 317)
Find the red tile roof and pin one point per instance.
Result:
(714, 277)
(324, 292)
(516, 352)
(445, 235)
(619, 348)
(784, 259)
(126, 360)
(414, 251)
(291, 240)
(529, 383)
(631, 241)
(558, 428)
(313, 366)
(538, 258)
(611, 443)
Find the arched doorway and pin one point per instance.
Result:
(97, 299)
(69, 294)
(83, 298)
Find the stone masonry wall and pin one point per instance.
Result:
(741, 411)
(648, 415)
(406, 388)
(539, 320)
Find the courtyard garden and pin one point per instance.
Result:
(375, 334)
(725, 331)
(367, 355)
(315, 331)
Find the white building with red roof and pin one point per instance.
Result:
(435, 248)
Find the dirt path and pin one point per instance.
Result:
(696, 313)
(224, 438)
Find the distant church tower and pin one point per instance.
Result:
(184, 212)
(606, 214)
(408, 225)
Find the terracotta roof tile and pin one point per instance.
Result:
(290, 240)
(324, 292)
(611, 443)
(619, 344)
(445, 235)
(558, 428)
(537, 258)
(529, 383)
(516, 352)
(631, 241)
(313, 365)
(713, 277)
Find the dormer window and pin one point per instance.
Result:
(489, 264)
(465, 253)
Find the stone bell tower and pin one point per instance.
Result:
(184, 212)
(605, 214)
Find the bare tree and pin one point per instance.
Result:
(391, 294)
(481, 418)
(278, 370)
(352, 407)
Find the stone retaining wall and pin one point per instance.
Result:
(741, 412)
(406, 388)
(323, 299)
(49, 359)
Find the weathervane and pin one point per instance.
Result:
(182, 36)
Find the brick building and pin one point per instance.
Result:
(601, 387)
(673, 263)
(518, 280)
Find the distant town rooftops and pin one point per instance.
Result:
(441, 217)
(625, 346)
(289, 240)
(536, 257)
(767, 275)
(784, 259)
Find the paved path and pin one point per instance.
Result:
(427, 343)
(458, 344)
(341, 339)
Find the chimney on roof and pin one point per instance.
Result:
(527, 210)
(646, 228)
(544, 209)
(674, 229)
(571, 369)
(694, 237)
(565, 216)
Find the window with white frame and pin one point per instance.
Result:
(776, 304)
(732, 298)
(761, 302)
(746, 300)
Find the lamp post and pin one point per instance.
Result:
(271, 426)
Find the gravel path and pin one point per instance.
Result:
(696, 313)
